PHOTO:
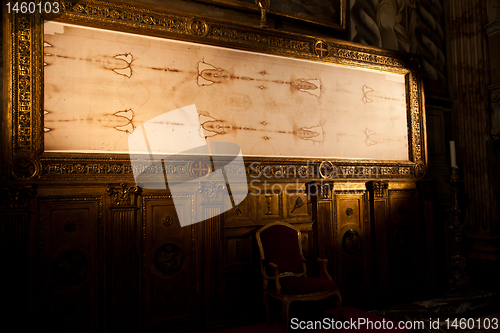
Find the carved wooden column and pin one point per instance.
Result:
(493, 33)
(211, 204)
(320, 196)
(472, 118)
(124, 265)
(15, 246)
(378, 217)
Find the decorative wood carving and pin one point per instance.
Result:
(379, 188)
(270, 204)
(16, 197)
(124, 195)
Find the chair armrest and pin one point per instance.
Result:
(323, 262)
(313, 259)
(275, 273)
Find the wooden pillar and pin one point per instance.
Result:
(320, 196)
(378, 196)
(211, 203)
(124, 263)
(472, 122)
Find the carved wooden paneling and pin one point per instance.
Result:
(352, 242)
(70, 258)
(160, 275)
(170, 264)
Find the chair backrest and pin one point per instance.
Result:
(279, 243)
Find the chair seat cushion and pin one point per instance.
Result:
(304, 285)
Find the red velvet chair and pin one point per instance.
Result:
(283, 269)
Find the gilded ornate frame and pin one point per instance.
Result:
(23, 149)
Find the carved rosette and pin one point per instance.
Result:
(414, 65)
(420, 169)
(24, 168)
(198, 27)
(321, 48)
(124, 195)
(70, 268)
(168, 258)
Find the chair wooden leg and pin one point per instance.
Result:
(268, 313)
(286, 308)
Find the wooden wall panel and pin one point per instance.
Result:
(71, 260)
(15, 253)
(352, 242)
(405, 248)
(170, 264)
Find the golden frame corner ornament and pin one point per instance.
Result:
(24, 45)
